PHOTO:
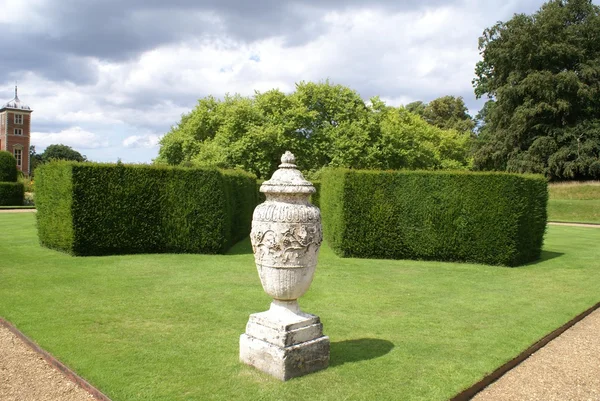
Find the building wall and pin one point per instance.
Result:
(7, 131)
(3, 131)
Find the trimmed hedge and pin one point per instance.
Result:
(8, 167)
(315, 198)
(242, 198)
(101, 209)
(11, 193)
(491, 218)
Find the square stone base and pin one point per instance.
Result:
(285, 363)
(285, 346)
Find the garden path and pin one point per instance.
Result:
(25, 375)
(567, 368)
(556, 223)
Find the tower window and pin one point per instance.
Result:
(18, 131)
(18, 153)
(19, 119)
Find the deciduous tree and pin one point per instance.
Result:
(62, 152)
(446, 112)
(542, 74)
(322, 123)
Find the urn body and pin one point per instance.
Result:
(286, 236)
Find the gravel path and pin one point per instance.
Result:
(556, 223)
(25, 376)
(18, 210)
(566, 369)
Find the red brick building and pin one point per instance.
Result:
(15, 131)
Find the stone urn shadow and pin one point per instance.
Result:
(361, 349)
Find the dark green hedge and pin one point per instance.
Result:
(8, 167)
(11, 193)
(491, 218)
(100, 209)
(315, 198)
(243, 198)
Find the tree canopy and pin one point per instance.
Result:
(542, 75)
(8, 167)
(35, 159)
(322, 123)
(60, 152)
(446, 112)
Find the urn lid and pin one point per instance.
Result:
(288, 179)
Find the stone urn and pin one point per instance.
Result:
(286, 235)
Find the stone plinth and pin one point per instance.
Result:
(284, 343)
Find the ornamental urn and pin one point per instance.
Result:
(286, 235)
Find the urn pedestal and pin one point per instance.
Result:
(286, 235)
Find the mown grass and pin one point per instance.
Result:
(574, 202)
(576, 211)
(573, 190)
(166, 327)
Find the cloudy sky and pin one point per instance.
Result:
(110, 77)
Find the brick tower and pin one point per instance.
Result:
(15, 124)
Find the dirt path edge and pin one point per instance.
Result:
(570, 224)
(470, 392)
(72, 376)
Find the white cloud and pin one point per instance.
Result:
(411, 55)
(24, 16)
(141, 141)
(400, 55)
(74, 137)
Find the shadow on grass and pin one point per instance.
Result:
(546, 255)
(244, 247)
(358, 350)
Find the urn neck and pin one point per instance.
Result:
(280, 307)
(295, 199)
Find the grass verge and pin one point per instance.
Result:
(573, 190)
(574, 202)
(166, 327)
(576, 211)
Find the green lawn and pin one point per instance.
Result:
(578, 211)
(574, 202)
(166, 327)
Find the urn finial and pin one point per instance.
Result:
(288, 160)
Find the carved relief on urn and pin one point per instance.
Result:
(286, 236)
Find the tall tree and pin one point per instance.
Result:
(62, 152)
(446, 112)
(34, 159)
(542, 74)
(322, 123)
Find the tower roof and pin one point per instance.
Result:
(16, 103)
